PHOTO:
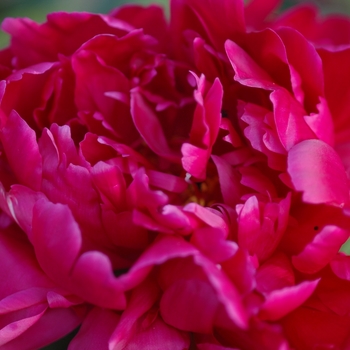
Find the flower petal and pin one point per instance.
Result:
(25, 159)
(313, 166)
(95, 330)
(282, 301)
(320, 252)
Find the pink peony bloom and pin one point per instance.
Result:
(177, 184)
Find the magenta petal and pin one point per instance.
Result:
(141, 301)
(60, 299)
(289, 118)
(174, 218)
(166, 182)
(227, 294)
(151, 19)
(257, 10)
(158, 333)
(66, 181)
(275, 273)
(337, 90)
(150, 128)
(317, 171)
(23, 299)
(340, 265)
(22, 321)
(241, 270)
(282, 301)
(306, 70)
(230, 185)
(334, 293)
(111, 184)
(207, 116)
(25, 89)
(21, 201)
(19, 268)
(25, 159)
(94, 281)
(165, 249)
(321, 123)
(146, 222)
(124, 231)
(248, 72)
(194, 160)
(209, 18)
(261, 225)
(55, 234)
(207, 216)
(96, 330)
(90, 276)
(205, 127)
(142, 196)
(255, 179)
(208, 346)
(170, 247)
(53, 325)
(93, 92)
(33, 43)
(212, 243)
(190, 305)
(323, 248)
(308, 326)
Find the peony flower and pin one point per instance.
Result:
(176, 185)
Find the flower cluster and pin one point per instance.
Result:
(177, 184)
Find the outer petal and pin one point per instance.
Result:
(212, 243)
(211, 19)
(148, 125)
(66, 181)
(248, 72)
(96, 330)
(20, 269)
(25, 300)
(334, 293)
(313, 166)
(230, 185)
(275, 273)
(171, 247)
(56, 234)
(306, 68)
(151, 19)
(323, 248)
(159, 333)
(307, 326)
(261, 225)
(25, 159)
(190, 305)
(340, 265)
(93, 81)
(257, 10)
(34, 43)
(55, 324)
(337, 89)
(241, 270)
(289, 118)
(281, 302)
(21, 201)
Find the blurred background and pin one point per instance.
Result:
(37, 9)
